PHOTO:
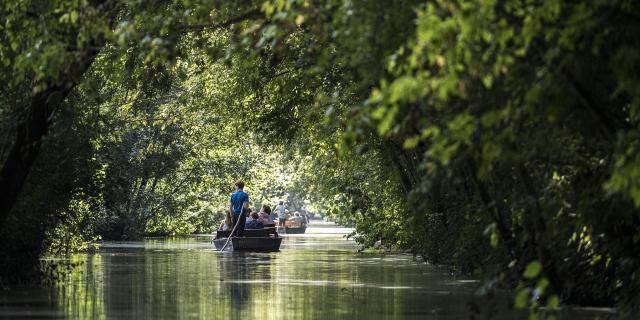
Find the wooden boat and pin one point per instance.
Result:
(293, 230)
(266, 239)
(292, 227)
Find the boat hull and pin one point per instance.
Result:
(293, 230)
(261, 244)
(256, 243)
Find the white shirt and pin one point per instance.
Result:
(280, 210)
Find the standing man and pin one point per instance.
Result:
(281, 216)
(239, 200)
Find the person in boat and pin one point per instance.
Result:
(227, 224)
(280, 209)
(297, 218)
(288, 217)
(305, 215)
(239, 206)
(273, 216)
(254, 222)
(265, 214)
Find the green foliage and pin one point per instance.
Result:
(484, 114)
(496, 137)
(82, 93)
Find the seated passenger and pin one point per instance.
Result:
(253, 222)
(265, 214)
(273, 216)
(297, 218)
(300, 218)
(227, 224)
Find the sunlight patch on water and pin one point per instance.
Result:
(396, 287)
(328, 283)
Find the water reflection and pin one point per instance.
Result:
(319, 275)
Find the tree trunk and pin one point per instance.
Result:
(29, 134)
(536, 226)
(496, 208)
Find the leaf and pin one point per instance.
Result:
(411, 142)
(487, 81)
(405, 89)
(431, 132)
(494, 239)
(379, 112)
(553, 302)
(268, 8)
(73, 16)
(387, 122)
(533, 269)
(521, 298)
(542, 285)
(489, 228)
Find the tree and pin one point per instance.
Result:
(472, 133)
(47, 51)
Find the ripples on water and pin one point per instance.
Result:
(318, 275)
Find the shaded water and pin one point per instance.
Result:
(318, 275)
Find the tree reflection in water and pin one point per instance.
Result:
(310, 278)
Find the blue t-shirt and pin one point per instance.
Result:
(237, 199)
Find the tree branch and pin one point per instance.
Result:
(255, 13)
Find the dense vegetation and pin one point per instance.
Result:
(500, 138)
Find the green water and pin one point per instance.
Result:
(319, 275)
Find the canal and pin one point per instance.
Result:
(317, 275)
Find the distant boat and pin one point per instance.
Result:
(266, 239)
(293, 230)
(292, 227)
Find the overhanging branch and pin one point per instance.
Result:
(255, 13)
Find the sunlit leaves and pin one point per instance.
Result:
(522, 298)
(553, 302)
(626, 177)
(387, 119)
(46, 45)
(491, 231)
(532, 270)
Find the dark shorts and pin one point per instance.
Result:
(240, 228)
